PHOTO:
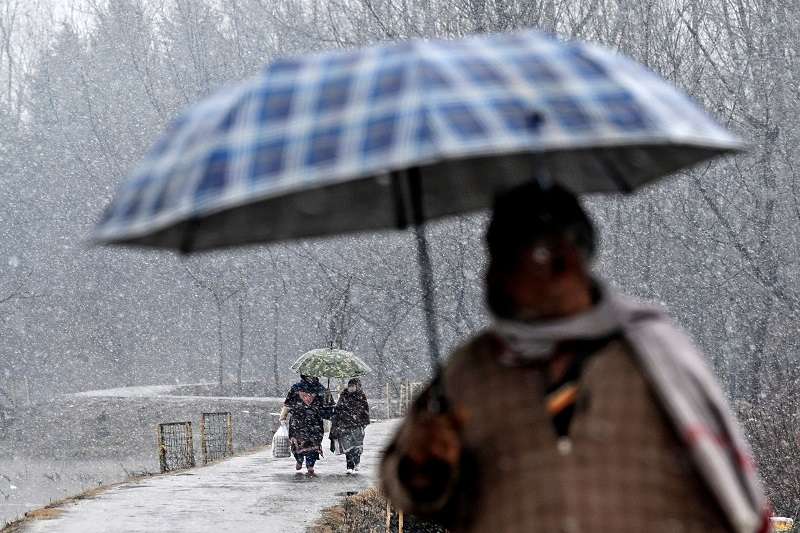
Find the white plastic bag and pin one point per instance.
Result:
(280, 443)
(337, 447)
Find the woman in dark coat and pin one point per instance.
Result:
(350, 417)
(305, 407)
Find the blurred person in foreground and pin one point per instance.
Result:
(350, 419)
(305, 407)
(578, 410)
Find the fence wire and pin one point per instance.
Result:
(216, 436)
(175, 447)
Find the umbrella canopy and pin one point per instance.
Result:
(330, 363)
(321, 144)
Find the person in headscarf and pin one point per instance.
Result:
(350, 418)
(305, 409)
(578, 410)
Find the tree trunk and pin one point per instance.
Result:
(756, 366)
(241, 351)
(275, 371)
(220, 347)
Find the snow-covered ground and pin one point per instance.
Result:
(73, 443)
(250, 493)
(130, 392)
(173, 391)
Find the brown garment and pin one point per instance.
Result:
(622, 469)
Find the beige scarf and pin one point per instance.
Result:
(682, 383)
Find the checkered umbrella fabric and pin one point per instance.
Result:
(319, 145)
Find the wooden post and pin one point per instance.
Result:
(203, 441)
(388, 403)
(400, 522)
(190, 443)
(388, 516)
(229, 431)
(162, 449)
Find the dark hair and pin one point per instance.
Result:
(354, 381)
(530, 213)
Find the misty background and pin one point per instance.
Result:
(87, 86)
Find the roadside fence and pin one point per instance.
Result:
(175, 446)
(216, 436)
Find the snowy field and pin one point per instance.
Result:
(61, 448)
(28, 483)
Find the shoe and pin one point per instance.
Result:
(311, 473)
(349, 472)
(356, 468)
(298, 466)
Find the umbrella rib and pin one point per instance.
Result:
(614, 173)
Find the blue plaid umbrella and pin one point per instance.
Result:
(393, 135)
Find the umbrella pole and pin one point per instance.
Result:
(426, 281)
(437, 402)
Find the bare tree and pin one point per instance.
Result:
(220, 293)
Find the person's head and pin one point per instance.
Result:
(354, 385)
(541, 244)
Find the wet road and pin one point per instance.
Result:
(251, 493)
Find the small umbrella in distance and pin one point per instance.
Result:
(330, 363)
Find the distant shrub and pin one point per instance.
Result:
(365, 512)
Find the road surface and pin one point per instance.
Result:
(244, 494)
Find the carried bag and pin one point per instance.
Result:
(280, 443)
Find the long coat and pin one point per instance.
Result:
(352, 411)
(306, 404)
(622, 470)
(350, 417)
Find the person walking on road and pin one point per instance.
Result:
(350, 418)
(305, 409)
(578, 410)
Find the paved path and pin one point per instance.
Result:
(251, 493)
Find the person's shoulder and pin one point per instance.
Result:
(471, 363)
(654, 322)
(659, 337)
(483, 346)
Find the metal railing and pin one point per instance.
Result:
(175, 446)
(216, 436)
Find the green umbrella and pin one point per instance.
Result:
(330, 363)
